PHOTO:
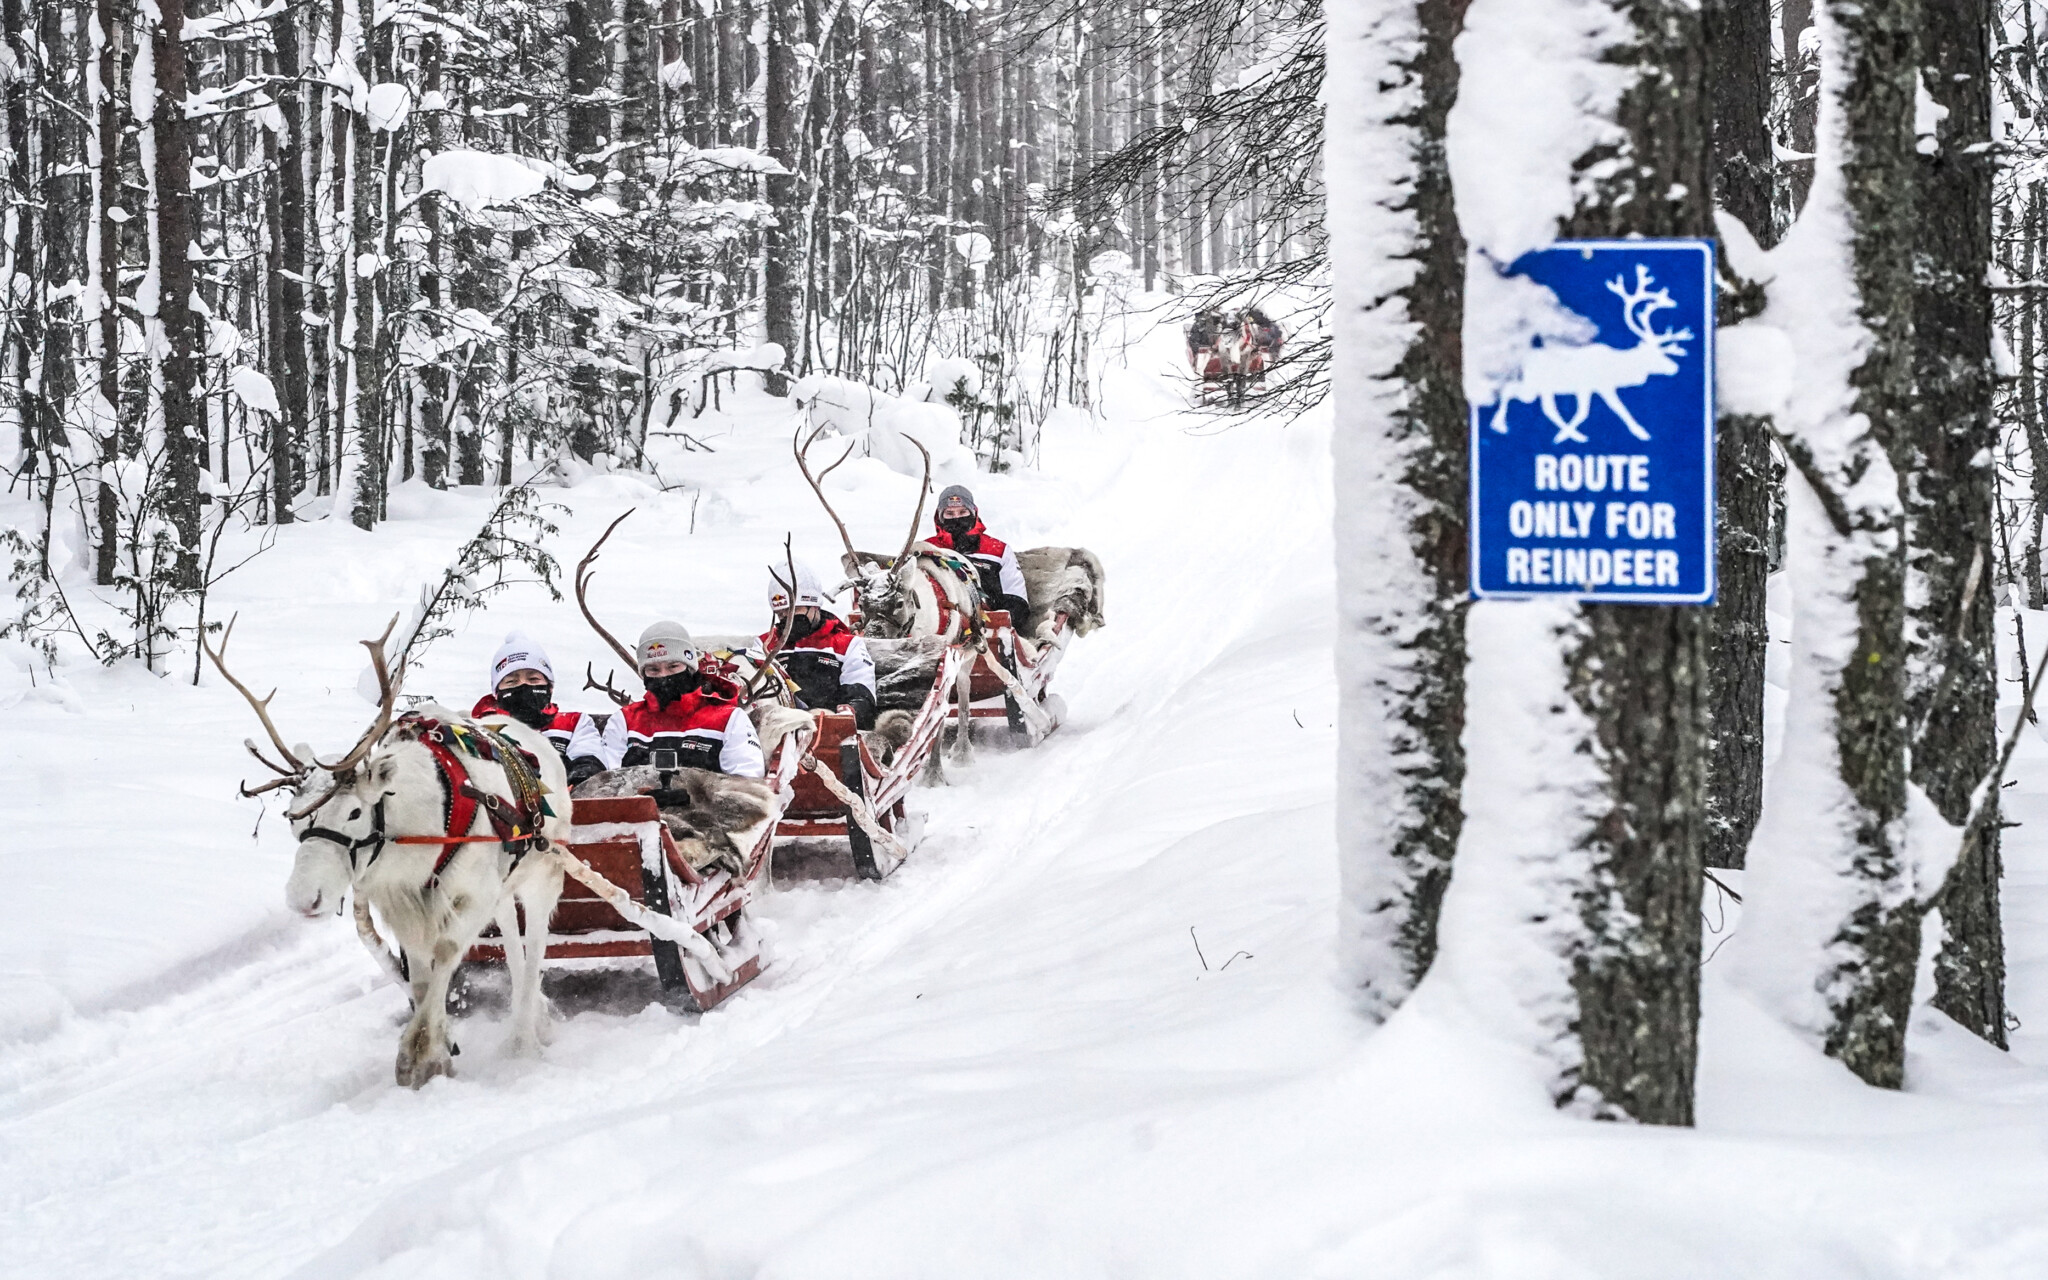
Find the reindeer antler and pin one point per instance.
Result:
(586, 569)
(590, 681)
(924, 488)
(800, 445)
(387, 703)
(1650, 301)
(297, 769)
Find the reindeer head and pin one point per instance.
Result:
(884, 586)
(335, 809)
(887, 595)
(1637, 306)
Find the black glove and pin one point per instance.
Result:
(857, 697)
(583, 768)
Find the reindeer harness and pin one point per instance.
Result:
(515, 823)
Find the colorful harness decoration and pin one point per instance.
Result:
(515, 822)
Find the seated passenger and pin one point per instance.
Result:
(1265, 331)
(1201, 334)
(829, 663)
(960, 529)
(688, 719)
(523, 689)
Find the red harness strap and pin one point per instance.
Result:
(511, 827)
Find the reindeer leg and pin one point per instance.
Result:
(457, 912)
(1500, 415)
(963, 695)
(533, 1026)
(1567, 430)
(423, 1048)
(524, 978)
(1621, 411)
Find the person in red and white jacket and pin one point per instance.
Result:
(523, 689)
(687, 719)
(827, 660)
(960, 529)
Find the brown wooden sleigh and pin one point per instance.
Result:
(624, 840)
(1023, 700)
(867, 786)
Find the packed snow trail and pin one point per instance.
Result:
(263, 1092)
(1089, 1030)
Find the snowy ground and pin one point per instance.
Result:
(1007, 1061)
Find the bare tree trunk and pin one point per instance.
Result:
(181, 365)
(589, 122)
(107, 198)
(26, 321)
(1950, 496)
(288, 270)
(1739, 49)
(1802, 76)
(2034, 230)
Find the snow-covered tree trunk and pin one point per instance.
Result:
(1400, 445)
(778, 242)
(1739, 47)
(1572, 924)
(365, 266)
(1947, 457)
(1831, 929)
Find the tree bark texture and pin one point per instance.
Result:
(1739, 70)
(1802, 82)
(183, 421)
(1639, 674)
(107, 132)
(589, 129)
(1950, 491)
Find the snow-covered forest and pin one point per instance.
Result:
(1297, 907)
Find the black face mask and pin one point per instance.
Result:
(801, 626)
(958, 525)
(528, 703)
(667, 689)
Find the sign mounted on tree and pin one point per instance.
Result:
(1593, 464)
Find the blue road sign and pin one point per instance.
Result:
(1593, 467)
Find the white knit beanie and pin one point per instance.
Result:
(518, 653)
(666, 642)
(808, 592)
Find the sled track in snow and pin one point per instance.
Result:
(264, 1093)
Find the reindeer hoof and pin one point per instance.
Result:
(416, 1073)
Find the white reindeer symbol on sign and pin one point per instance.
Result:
(1596, 369)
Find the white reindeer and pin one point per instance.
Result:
(434, 897)
(1597, 369)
